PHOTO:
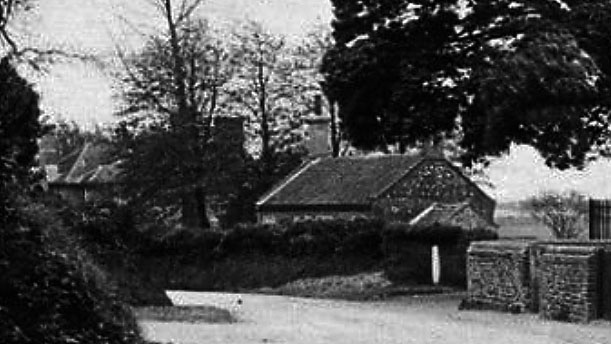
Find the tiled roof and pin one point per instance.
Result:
(344, 181)
(92, 164)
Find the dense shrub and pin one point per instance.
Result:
(251, 239)
(52, 292)
(106, 231)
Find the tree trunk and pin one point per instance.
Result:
(200, 198)
(194, 209)
(265, 135)
(334, 132)
(178, 69)
(190, 218)
(184, 121)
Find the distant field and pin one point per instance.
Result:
(516, 223)
(523, 226)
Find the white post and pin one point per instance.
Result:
(435, 264)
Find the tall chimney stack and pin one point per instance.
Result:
(318, 141)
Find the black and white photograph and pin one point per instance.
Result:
(305, 171)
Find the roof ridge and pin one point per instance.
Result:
(287, 181)
(374, 156)
(398, 178)
(78, 159)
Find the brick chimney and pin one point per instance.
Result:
(318, 138)
(51, 172)
(47, 150)
(231, 131)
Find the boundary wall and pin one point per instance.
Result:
(560, 280)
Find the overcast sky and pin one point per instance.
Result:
(84, 93)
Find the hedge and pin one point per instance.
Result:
(257, 255)
(320, 238)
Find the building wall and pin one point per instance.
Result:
(278, 217)
(431, 181)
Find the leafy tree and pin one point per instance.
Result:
(172, 90)
(19, 129)
(266, 86)
(40, 263)
(563, 213)
(487, 73)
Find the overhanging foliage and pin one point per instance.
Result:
(487, 73)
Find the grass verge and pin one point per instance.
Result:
(361, 287)
(190, 314)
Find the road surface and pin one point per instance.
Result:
(427, 319)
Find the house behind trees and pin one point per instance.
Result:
(420, 189)
(92, 171)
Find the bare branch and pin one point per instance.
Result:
(139, 84)
(187, 10)
(7, 38)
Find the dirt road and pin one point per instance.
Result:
(431, 319)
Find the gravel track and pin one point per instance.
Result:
(425, 319)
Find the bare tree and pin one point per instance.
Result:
(263, 85)
(563, 213)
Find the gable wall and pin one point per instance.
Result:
(468, 219)
(430, 181)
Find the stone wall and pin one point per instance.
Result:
(569, 283)
(498, 275)
(561, 280)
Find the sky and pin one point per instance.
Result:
(84, 92)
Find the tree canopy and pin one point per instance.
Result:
(486, 73)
